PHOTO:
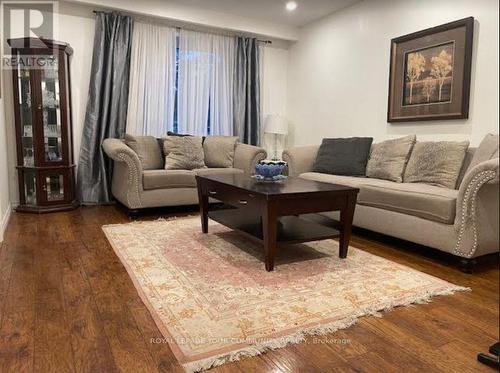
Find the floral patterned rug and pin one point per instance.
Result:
(214, 302)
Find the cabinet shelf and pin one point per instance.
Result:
(44, 168)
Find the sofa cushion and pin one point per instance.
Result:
(161, 179)
(343, 156)
(218, 171)
(219, 150)
(487, 150)
(388, 158)
(425, 201)
(147, 149)
(351, 181)
(436, 163)
(422, 200)
(183, 152)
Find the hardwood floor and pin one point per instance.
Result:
(68, 305)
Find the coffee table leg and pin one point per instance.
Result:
(269, 230)
(346, 216)
(203, 200)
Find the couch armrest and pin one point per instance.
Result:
(476, 220)
(116, 149)
(247, 156)
(300, 159)
(127, 173)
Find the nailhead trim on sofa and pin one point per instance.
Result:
(133, 201)
(470, 196)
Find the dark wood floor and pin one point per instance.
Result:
(67, 304)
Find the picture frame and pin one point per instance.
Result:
(430, 73)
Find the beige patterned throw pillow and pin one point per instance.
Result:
(219, 151)
(147, 149)
(388, 158)
(487, 149)
(183, 152)
(436, 163)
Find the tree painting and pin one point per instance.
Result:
(415, 67)
(429, 87)
(429, 75)
(442, 66)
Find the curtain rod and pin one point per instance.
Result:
(192, 29)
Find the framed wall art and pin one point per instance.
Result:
(430, 71)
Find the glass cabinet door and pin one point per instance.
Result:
(54, 187)
(30, 195)
(52, 136)
(25, 116)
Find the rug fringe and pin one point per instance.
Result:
(300, 336)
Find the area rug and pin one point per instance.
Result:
(213, 301)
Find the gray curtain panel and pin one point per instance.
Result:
(106, 114)
(246, 93)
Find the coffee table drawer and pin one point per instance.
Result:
(231, 196)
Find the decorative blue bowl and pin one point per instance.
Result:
(270, 169)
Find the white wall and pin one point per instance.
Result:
(274, 72)
(4, 174)
(10, 135)
(338, 71)
(76, 26)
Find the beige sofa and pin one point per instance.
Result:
(463, 222)
(138, 189)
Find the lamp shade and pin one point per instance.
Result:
(276, 124)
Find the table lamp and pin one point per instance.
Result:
(276, 125)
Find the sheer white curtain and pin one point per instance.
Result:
(221, 87)
(152, 80)
(206, 65)
(194, 82)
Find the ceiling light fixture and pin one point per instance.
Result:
(291, 6)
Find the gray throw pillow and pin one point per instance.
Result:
(436, 163)
(487, 150)
(388, 158)
(343, 156)
(170, 133)
(219, 151)
(183, 152)
(147, 149)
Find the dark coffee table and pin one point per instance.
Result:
(270, 212)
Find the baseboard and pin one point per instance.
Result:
(5, 221)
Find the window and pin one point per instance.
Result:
(176, 113)
(181, 81)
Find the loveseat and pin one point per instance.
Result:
(462, 221)
(139, 188)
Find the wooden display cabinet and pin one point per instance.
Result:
(42, 105)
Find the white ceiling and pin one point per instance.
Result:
(271, 10)
(263, 18)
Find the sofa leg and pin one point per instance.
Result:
(133, 213)
(467, 265)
